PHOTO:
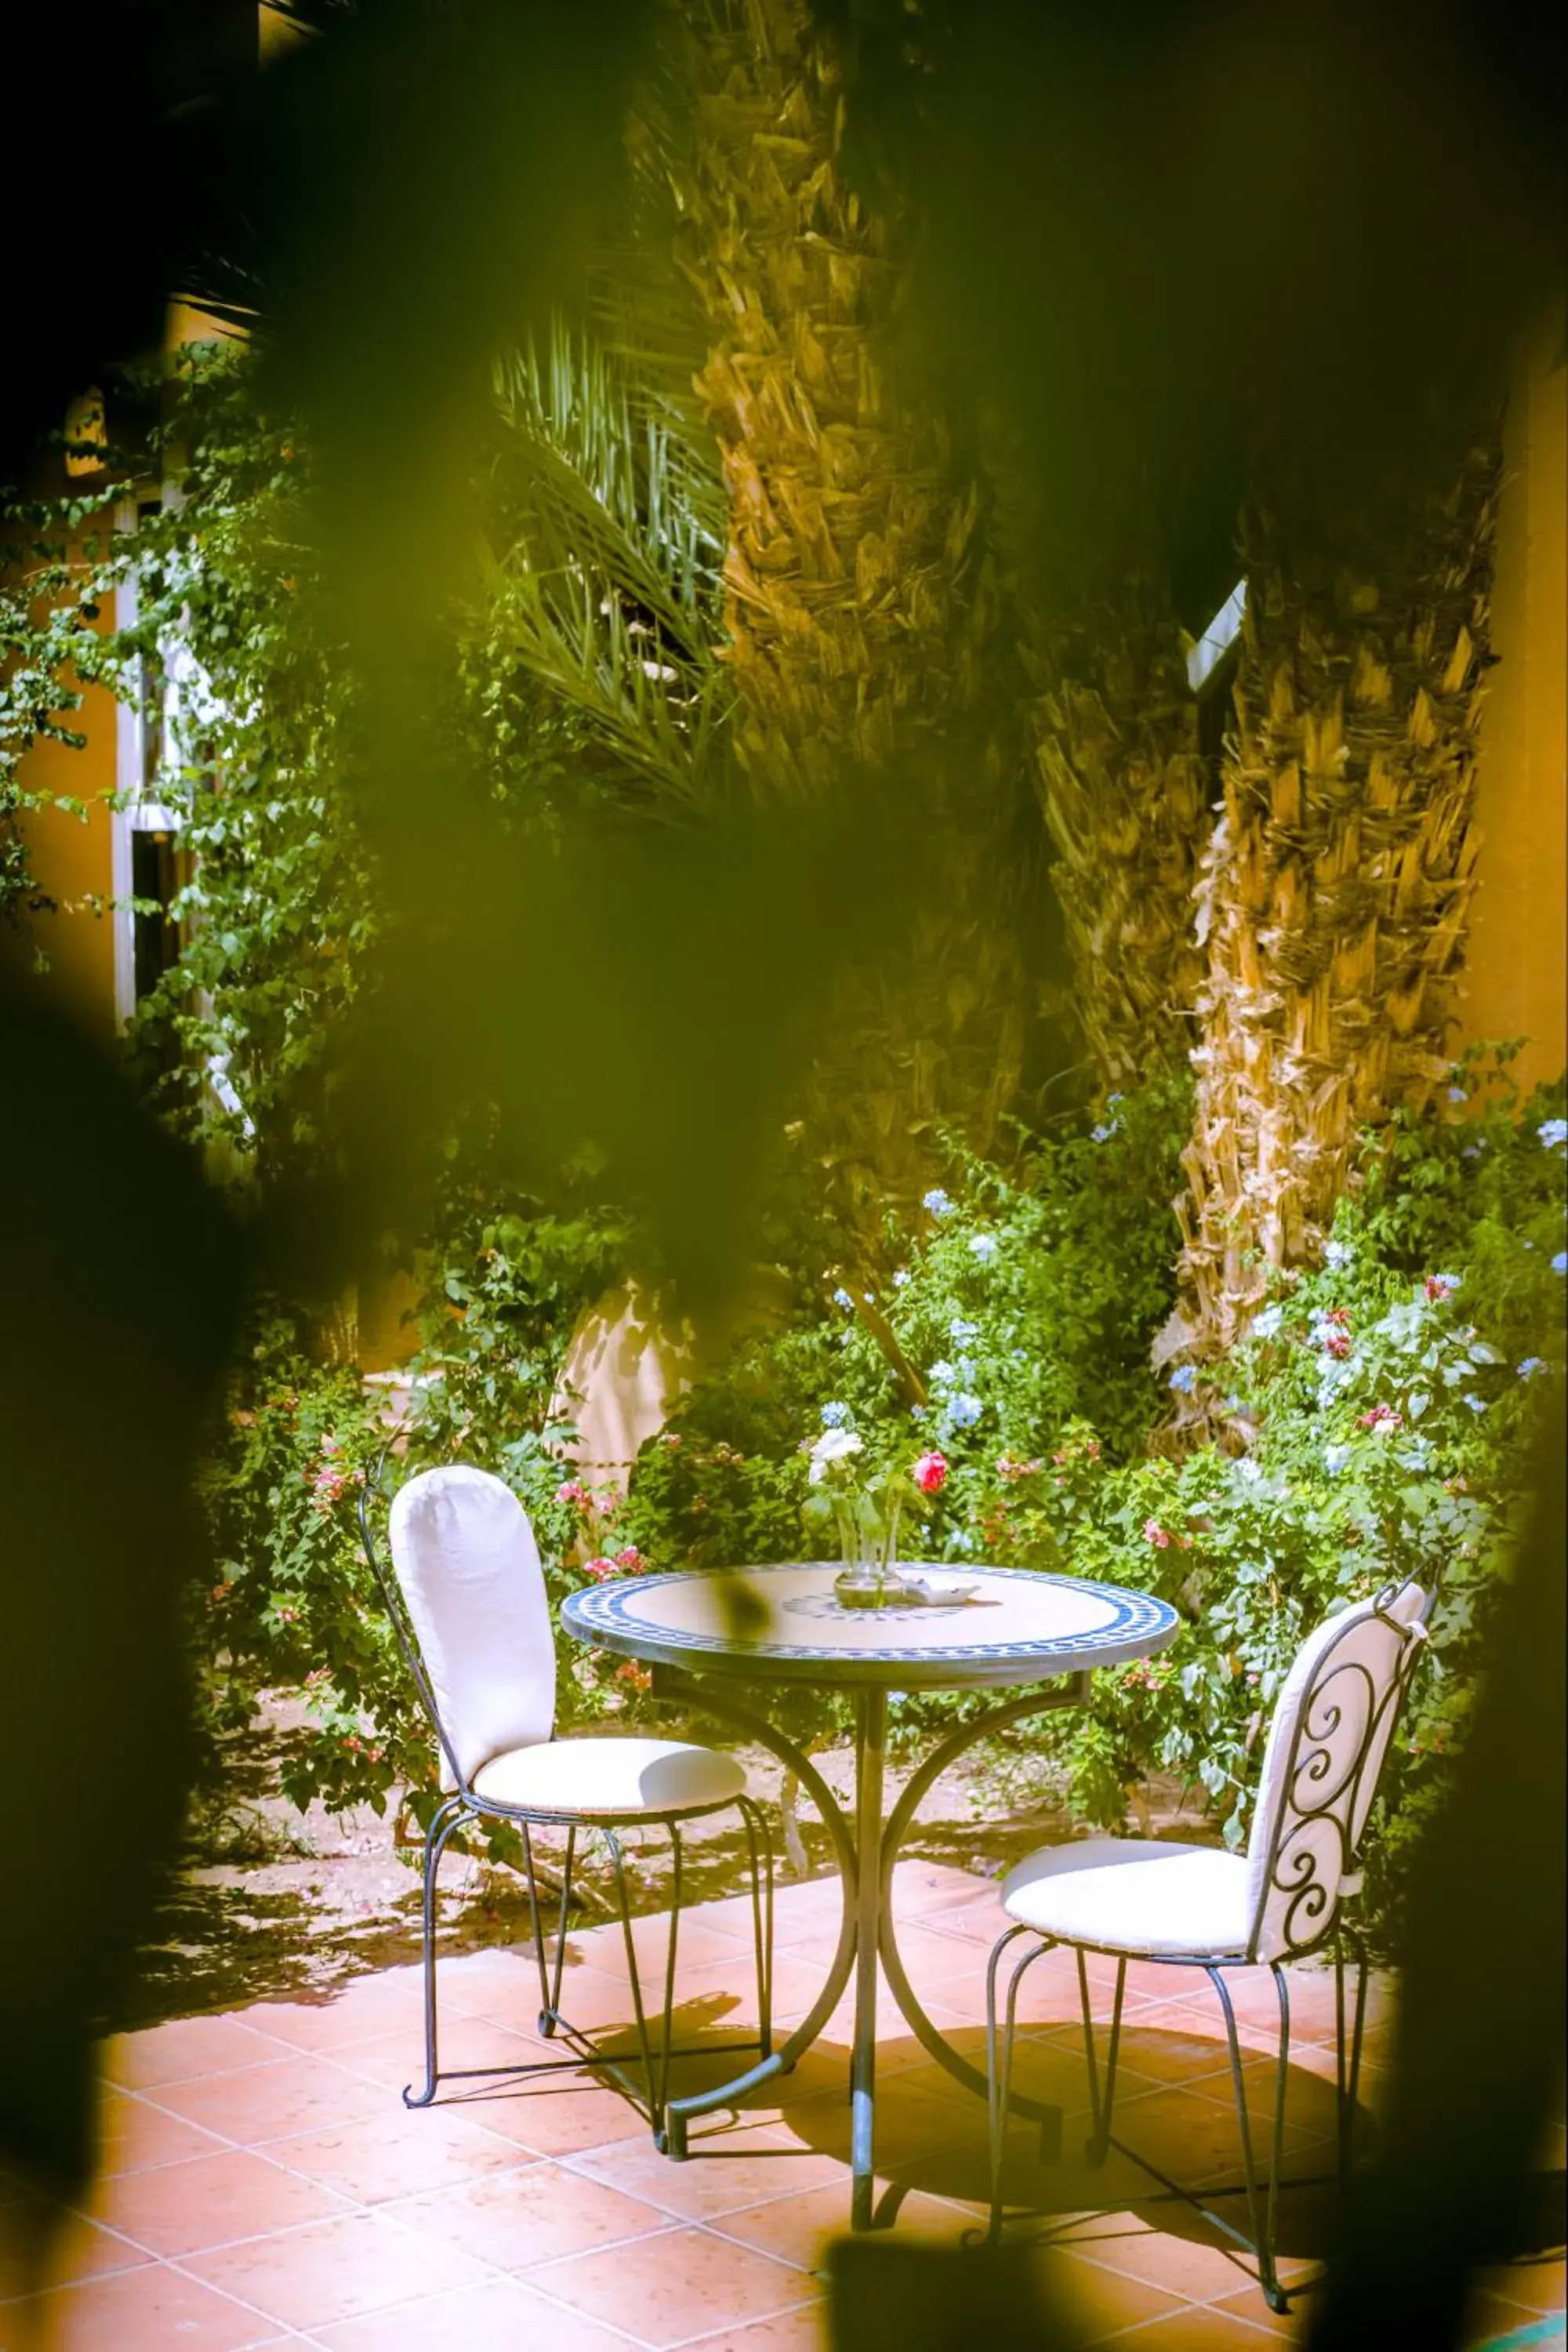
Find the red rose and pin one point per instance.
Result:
(931, 1473)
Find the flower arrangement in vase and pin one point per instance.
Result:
(864, 1502)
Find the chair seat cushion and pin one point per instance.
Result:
(1134, 1895)
(613, 1779)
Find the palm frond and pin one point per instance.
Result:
(603, 559)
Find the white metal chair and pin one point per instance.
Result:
(1136, 1898)
(472, 1616)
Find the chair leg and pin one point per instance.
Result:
(1098, 2145)
(549, 1976)
(999, 2061)
(443, 1822)
(1348, 2079)
(644, 2046)
(659, 2102)
(1262, 2220)
(759, 1841)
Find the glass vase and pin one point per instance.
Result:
(869, 1578)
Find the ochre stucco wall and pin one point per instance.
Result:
(71, 859)
(1518, 959)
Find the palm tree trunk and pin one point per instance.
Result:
(1123, 791)
(1335, 892)
(859, 599)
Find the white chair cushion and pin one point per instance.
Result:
(616, 1778)
(468, 1567)
(1134, 1895)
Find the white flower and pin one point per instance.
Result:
(1554, 1133)
(835, 1416)
(938, 1202)
(842, 1298)
(963, 1410)
(1251, 1471)
(1264, 1326)
(984, 1246)
(1334, 1459)
(1530, 1366)
(833, 1445)
(1336, 1253)
(900, 1279)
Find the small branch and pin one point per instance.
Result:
(881, 1330)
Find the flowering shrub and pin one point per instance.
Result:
(1374, 1419)
(296, 1610)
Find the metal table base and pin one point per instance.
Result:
(867, 1937)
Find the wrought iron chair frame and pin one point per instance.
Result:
(1312, 1895)
(463, 1805)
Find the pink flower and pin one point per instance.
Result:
(1381, 1416)
(326, 1486)
(1337, 1342)
(1156, 1534)
(574, 1491)
(931, 1473)
(1436, 1287)
(599, 1568)
(631, 1560)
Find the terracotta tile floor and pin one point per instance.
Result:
(263, 2184)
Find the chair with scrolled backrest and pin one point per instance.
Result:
(1191, 1906)
(468, 1604)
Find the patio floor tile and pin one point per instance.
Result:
(731, 2167)
(374, 2160)
(263, 2103)
(183, 2208)
(325, 2271)
(801, 2228)
(685, 2283)
(502, 2316)
(1195, 2267)
(396, 2059)
(1195, 2327)
(1096, 2302)
(144, 2310)
(185, 2047)
(545, 2120)
(264, 2183)
(135, 2134)
(77, 2248)
(804, 2329)
(1538, 2285)
(390, 2001)
(535, 2215)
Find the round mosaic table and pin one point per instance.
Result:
(1014, 1626)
